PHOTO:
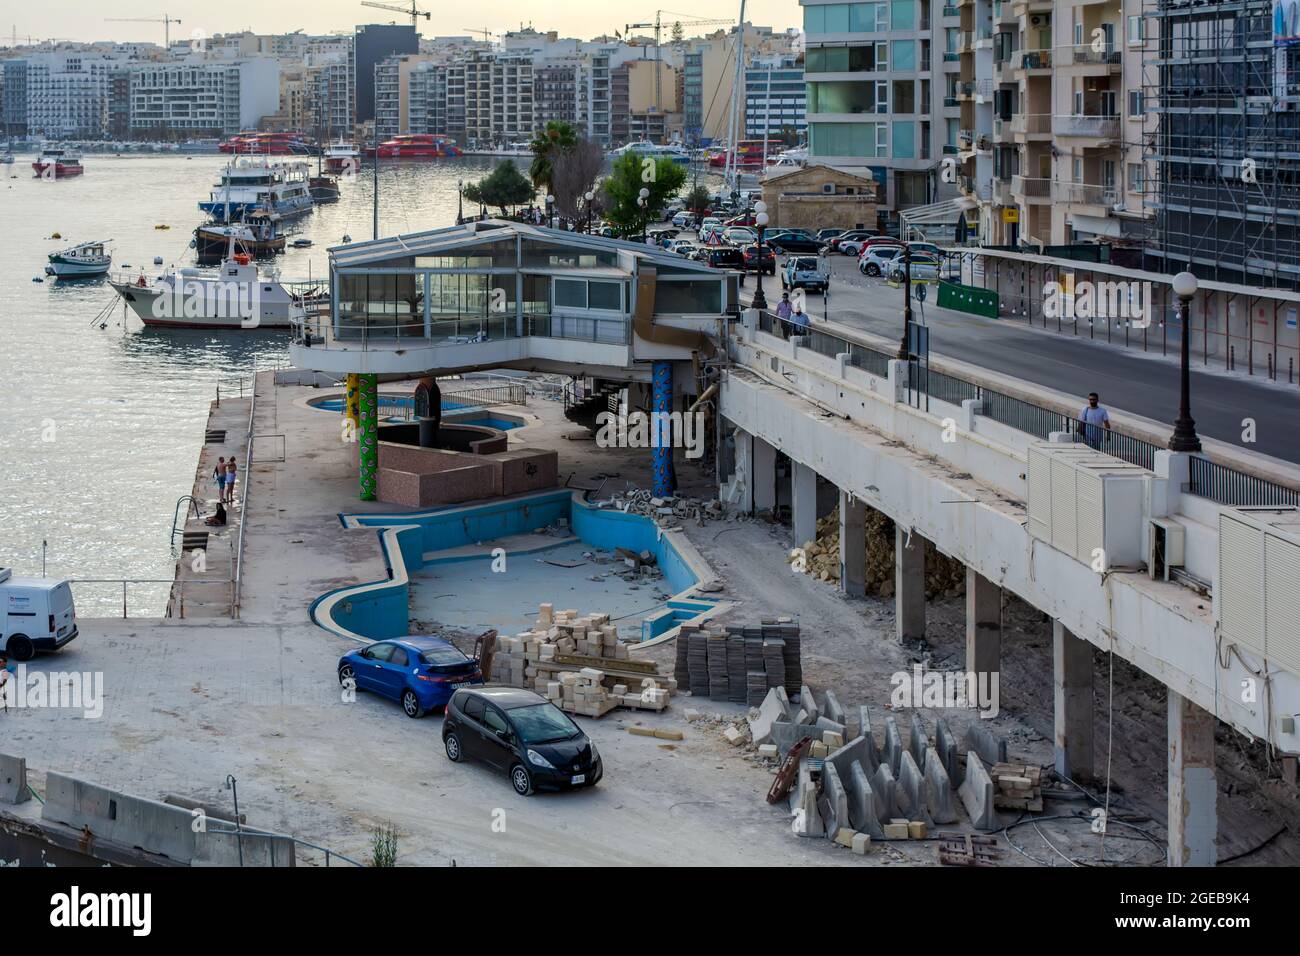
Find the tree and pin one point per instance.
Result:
(573, 175)
(628, 176)
(678, 33)
(504, 186)
(547, 146)
(698, 200)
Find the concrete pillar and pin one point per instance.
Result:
(744, 473)
(909, 585)
(1072, 686)
(1193, 791)
(803, 503)
(853, 546)
(368, 436)
(661, 403)
(983, 624)
(764, 475)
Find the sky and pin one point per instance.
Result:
(84, 20)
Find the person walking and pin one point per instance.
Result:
(783, 311)
(1094, 421)
(799, 320)
(232, 472)
(219, 476)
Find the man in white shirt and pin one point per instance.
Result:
(1096, 421)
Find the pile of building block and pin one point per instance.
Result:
(1017, 786)
(740, 664)
(578, 662)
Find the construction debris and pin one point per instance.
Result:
(579, 663)
(740, 664)
(1017, 786)
(668, 513)
(968, 849)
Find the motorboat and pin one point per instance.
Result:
(83, 261)
(252, 184)
(56, 163)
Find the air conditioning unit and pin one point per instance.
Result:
(828, 188)
(1038, 20)
(1166, 547)
(1087, 504)
(1257, 598)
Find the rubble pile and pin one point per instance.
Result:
(668, 513)
(579, 663)
(944, 576)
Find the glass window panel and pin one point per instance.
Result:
(904, 140)
(605, 295)
(814, 19)
(841, 96)
(558, 256)
(697, 296)
(570, 294)
(537, 294)
(902, 14)
(904, 54)
(837, 18)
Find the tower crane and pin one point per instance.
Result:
(657, 25)
(165, 20)
(414, 12)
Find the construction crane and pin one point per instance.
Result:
(657, 25)
(165, 20)
(414, 12)
(486, 33)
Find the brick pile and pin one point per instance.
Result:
(739, 664)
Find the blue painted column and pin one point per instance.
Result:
(661, 404)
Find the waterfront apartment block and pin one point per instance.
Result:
(211, 97)
(68, 93)
(775, 98)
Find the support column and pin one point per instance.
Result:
(351, 405)
(368, 436)
(1072, 687)
(744, 473)
(803, 503)
(1193, 790)
(983, 624)
(909, 585)
(853, 545)
(764, 477)
(661, 404)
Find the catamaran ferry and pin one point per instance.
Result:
(55, 163)
(252, 185)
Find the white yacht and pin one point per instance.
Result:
(254, 184)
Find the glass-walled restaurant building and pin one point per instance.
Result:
(498, 282)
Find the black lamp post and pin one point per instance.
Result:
(760, 220)
(460, 201)
(1184, 437)
(590, 197)
(550, 211)
(904, 351)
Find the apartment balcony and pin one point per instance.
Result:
(950, 11)
(1002, 192)
(965, 138)
(1100, 128)
(951, 101)
(965, 90)
(1103, 62)
(1036, 62)
(965, 42)
(1032, 191)
(1085, 194)
(1028, 125)
(1023, 7)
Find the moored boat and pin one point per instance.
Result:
(257, 236)
(56, 163)
(81, 261)
(324, 189)
(256, 185)
(342, 158)
(418, 146)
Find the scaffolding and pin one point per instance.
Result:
(1222, 156)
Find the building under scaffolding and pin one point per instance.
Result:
(1223, 77)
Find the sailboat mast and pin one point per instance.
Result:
(737, 86)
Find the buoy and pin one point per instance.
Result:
(37, 279)
(55, 235)
(162, 225)
(157, 260)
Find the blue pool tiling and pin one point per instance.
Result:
(379, 610)
(397, 401)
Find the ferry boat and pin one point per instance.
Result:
(749, 152)
(418, 146)
(80, 262)
(342, 158)
(267, 144)
(654, 151)
(256, 185)
(55, 163)
(237, 296)
(256, 236)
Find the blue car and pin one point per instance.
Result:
(420, 672)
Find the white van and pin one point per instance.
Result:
(38, 615)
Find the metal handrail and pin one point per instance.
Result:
(238, 571)
(256, 831)
(180, 583)
(178, 526)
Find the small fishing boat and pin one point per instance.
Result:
(80, 262)
(324, 189)
(257, 236)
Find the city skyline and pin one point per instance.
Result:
(67, 19)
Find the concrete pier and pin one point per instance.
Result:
(853, 546)
(1193, 789)
(1072, 690)
(803, 503)
(909, 585)
(983, 624)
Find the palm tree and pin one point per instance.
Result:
(558, 137)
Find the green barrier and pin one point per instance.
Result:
(968, 298)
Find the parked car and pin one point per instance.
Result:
(768, 266)
(829, 235)
(523, 734)
(683, 219)
(420, 672)
(851, 236)
(744, 219)
(876, 242)
(794, 243)
(724, 257)
(804, 272)
(924, 266)
(879, 259)
(39, 615)
(684, 247)
(739, 235)
(707, 229)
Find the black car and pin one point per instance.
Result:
(724, 257)
(769, 260)
(793, 242)
(522, 733)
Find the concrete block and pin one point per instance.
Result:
(834, 803)
(918, 742)
(767, 750)
(734, 736)
(913, 791)
(665, 734)
(855, 751)
(785, 735)
(831, 708)
(808, 702)
(945, 743)
(991, 747)
(824, 723)
(775, 706)
(861, 843)
(882, 789)
(832, 740)
(844, 837)
(917, 830)
(976, 793)
(940, 790)
(893, 745)
(862, 802)
(13, 779)
(896, 831)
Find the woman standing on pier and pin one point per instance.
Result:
(232, 472)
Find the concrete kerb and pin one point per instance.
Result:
(940, 790)
(918, 741)
(893, 754)
(914, 791)
(990, 747)
(775, 706)
(862, 802)
(976, 793)
(13, 779)
(834, 803)
(945, 743)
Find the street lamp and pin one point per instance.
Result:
(590, 197)
(760, 220)
(550, 211)
(643, 200)
(1184, 437)
(904, 350)
(460, 201)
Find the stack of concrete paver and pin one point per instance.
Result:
(740, 664)
(579, 663)
(853, 787)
